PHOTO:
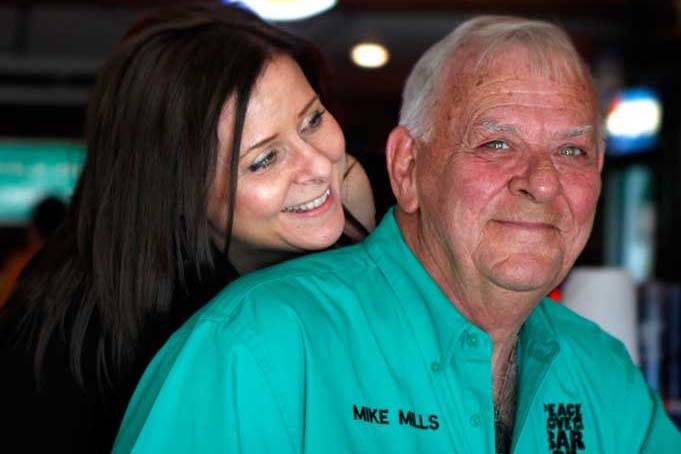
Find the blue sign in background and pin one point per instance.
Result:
(30, 171)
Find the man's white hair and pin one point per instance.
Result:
(551, 54)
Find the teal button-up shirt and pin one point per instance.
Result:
(358, 350)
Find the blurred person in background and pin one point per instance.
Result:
(210, 153)
(47, 215)
(434, 334)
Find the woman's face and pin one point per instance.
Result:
(291, 165)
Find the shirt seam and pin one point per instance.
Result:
(250, 341)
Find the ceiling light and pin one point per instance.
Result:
(285, 10)
(370, 55)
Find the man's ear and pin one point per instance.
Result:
(601, 157)
(401, 151)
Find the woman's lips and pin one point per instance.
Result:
(312, 205)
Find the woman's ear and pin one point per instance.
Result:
(401, 151)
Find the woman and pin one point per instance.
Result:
(210, 154)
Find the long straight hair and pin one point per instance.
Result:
(137, 228)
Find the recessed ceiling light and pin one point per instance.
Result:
(285, 10)
(370, 55)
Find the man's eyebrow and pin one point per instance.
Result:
(307, 106)
(495, 126)
(578, 131)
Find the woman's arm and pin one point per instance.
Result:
(358, 198)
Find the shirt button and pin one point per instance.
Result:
(435, 366)
(475, 420)
(545, 352)
(553, 348)
(472, 340)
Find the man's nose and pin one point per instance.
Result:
(312, 164)
(538, 179)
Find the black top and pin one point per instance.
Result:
(62, 416)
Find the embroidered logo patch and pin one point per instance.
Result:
(564, 427)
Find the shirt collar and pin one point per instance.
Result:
(435, 320)
(538, 337)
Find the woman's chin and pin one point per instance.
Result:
(322, 238)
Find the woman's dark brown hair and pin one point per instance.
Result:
(137, 228)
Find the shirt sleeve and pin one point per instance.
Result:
(644, 425)
(206, 392)
(662, 435)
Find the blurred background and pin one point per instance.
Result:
(50, 52)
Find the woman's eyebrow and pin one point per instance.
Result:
(307, 106)
(267, 139)
(259, 143)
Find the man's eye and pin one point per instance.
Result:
(314, 120)
(263, 161)
(497, 145)
(572, 151)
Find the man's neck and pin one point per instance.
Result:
(498, 311)
(505, 398)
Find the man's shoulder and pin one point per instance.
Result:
(270, 314)
(584, 339)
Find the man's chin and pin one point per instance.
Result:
(526, 274)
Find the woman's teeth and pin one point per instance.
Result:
(311, 205)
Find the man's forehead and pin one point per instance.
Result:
(522, 107)
(517, 83)
(508, 91)
(508, 84)
(531, 92)
(474, 67)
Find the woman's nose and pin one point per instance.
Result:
(312, 165)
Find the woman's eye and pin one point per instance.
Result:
(572, 151)
(497, 145)
(263, 161)
(314, 120)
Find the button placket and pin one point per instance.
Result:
(473, 372)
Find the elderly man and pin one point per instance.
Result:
(433, 335)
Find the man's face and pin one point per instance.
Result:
(508, 185)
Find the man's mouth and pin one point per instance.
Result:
(529, 225)
(308, 206)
